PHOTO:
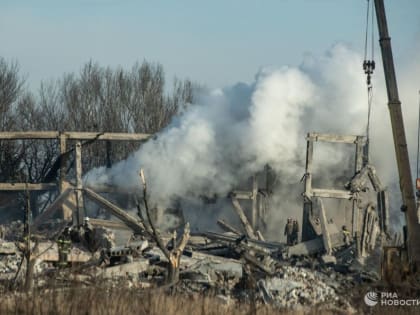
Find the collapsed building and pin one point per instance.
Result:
(130, 246)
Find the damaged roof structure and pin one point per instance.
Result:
(62, 244)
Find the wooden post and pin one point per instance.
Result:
(66, 211)
(260, 210)
(308, 173)
(60, 201)
(254, 214)
(355, 218)
(361, 160)
(359, 163)
(307, 233)
(27, 223)
(63, 149)
(108, 154)
(79, 184)
(325, 234)
(29, 263)
(267, 178)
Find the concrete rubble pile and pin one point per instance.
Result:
(232, 267)
(9, 259)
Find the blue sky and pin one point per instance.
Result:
(216, 43)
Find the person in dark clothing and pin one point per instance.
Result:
(295, 232)
(346, 235)
(288, 231)
(64, 247)
(89, 235)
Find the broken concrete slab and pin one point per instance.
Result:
(316, 245)
(48, 251)
(210, 269)
(8, 248)
(231, 266)
(328, 259)
(132, 248)
(126, 269)
(305, 248)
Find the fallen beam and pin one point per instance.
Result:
(260, 236)
(262, 246)
(109, 224)
(227, 227)
(325, 233)
(376, 183)
(131, 222)
(110, 189)
(260, 265)
(48, 213)
(254, 218)
(248, 228)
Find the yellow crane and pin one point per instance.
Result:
(402, 262)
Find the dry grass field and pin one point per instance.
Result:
(97, 301)
(105, 300)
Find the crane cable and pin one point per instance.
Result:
(368, 67)
(418, 141)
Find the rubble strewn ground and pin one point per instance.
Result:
(235, 275)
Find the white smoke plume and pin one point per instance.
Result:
(233, 132)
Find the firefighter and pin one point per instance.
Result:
(288, 231)
(64, 246)
(89, 234)
(346, 235)
(295, 232)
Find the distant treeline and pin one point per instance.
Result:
(100, 99)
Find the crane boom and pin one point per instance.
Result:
(400, 143)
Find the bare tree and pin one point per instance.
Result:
(10, 91)
(38, 156)
(97, 99)
(173, 255)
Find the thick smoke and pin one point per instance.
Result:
(231, 133)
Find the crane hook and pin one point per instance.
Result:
(368, 67)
